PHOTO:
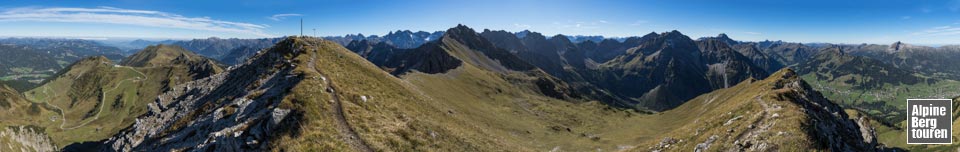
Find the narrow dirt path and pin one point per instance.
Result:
(99, 111)
(346, 131)
(763, 123)
(63, 116)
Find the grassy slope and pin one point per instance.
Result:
(470, 109)
(99, 98)
(707, 115)
(15, 110)
(117, 105)
(464, 109)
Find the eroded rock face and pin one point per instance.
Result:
(26, 139)
(830, 125)
(781, 112)
(233, 111)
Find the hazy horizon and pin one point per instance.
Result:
(847, 22)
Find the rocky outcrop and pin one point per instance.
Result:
(726, 66)
(659, 74)
(828, 124)
(26, 139)
(781, 112)
(232, 111)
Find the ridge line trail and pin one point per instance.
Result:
(349, 136)
(764, 122)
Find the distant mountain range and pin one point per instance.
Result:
(468, 90)
(589, 66)
(401, 39)
(26, 62)
(646, 72)
(611, 70)
(218, 48)
(311, 94)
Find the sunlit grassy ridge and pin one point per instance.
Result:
(468, 108)
(775, 113)
(472, 109)
(464, 109)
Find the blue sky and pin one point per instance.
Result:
(855, 21)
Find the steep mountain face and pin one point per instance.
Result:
(217, 48)
(605, 50)
(650, 61)
(403, 39)
(609, 48)
(537, 50)
(664, 71)
(408, 39)
(522, 34)
(378, 53)
(726, 39)
(461, 46)
(429, 58)
(789, 53)
(557, 56)
(470, 40)
(770, 63)
(778, 113)
(504, 40)
(725, 64)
